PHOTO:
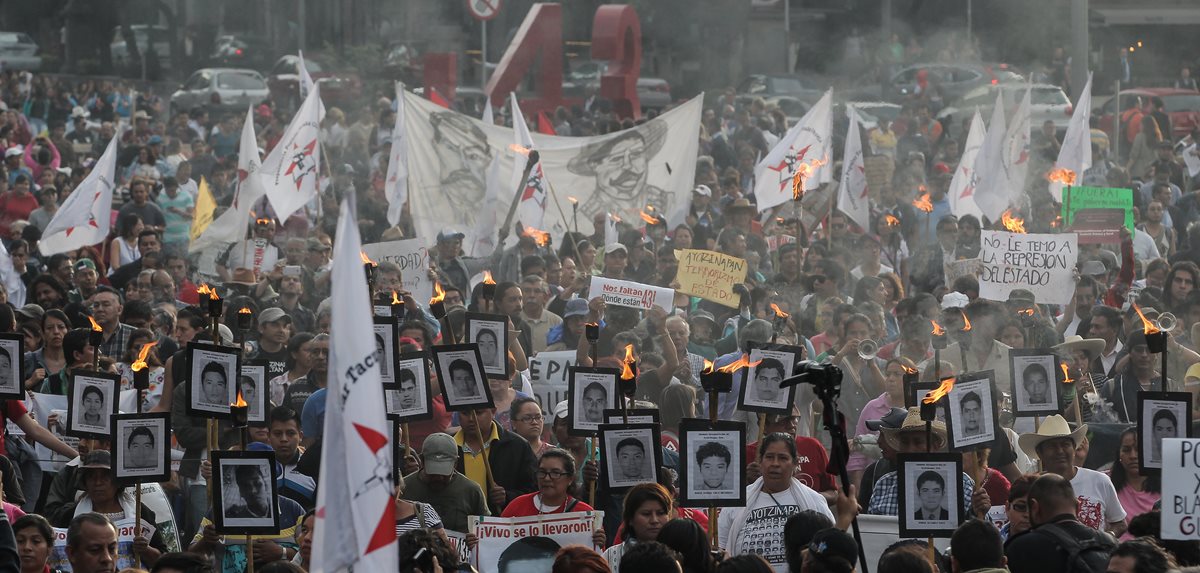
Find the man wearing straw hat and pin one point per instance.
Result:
(910, 438)
(1054, 444)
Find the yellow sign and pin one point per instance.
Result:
(710, 275)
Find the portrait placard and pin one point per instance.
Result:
(972, 419)
(770, 364)
(490, 332)
(12, 353)
(386, 346)
(630, 454)
(712, 463)
(409, 399)
(1034, 382)
(931, 494)
(636, 416)
(244, 493)
(211, 369)
(591, 391)
(253, 385)
(91, 403)
(1161, 416)
(141, 445)
(463, 381)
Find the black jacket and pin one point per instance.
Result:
(512, 463)
(1035, 551)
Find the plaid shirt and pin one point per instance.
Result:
(118, 343)
(885, 499)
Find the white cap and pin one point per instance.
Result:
(954, 300)
(14, 151)
(702, 190)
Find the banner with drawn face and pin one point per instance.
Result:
(620, 172)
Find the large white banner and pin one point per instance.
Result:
(529, 543)
(1042, 263)
(548, 376)
(622, 172)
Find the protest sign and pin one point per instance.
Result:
(1041, 263)
(1077, 201)
(960, 268)
(125, 557)
(776, 241)
(710, 275)
(458, 544)
(1180, 498)
(631, 294)
(548, 376)
(412, 256)
(536, 538)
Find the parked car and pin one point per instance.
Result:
(220, 90)
(1047, 103)
(18, 52)
(767, 86)
(145, 36)
(1183, 107)
(337, 88)
(954, 80)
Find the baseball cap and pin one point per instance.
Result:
(14, 151)
(954, 300)
(576, 307)
(85, 264)
(272, 314)
(614, 247)
(893, 419)
(440, 452)
(833, 543)
(317, 246)
(32, 311)
(1092, 268)
(225, 334)
(97, 459)
(449, 235)
(703, 315)
(560, 411)
(1020, 295)
(1193, 373)
(702, 190)
(79, 111)
(154, 140)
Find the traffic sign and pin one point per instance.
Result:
(483, 9)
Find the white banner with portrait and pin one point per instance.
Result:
(517, 544)
(621, 172)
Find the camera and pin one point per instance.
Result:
(825, 378)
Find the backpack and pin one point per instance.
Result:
(1083, 555)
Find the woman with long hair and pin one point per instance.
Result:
(1136, 492)
(690, 540)
(123, 249)
(1142, 154)
(578, 559)
(48, 361)
(647, 509)
(1181, 280)
(891, 397)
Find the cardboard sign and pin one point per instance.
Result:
(548, 376)
(1078, 199)
(631, 294)
(710, 275)
(1180, 495)
(540, 535)
(413, 258)
(1041, 263)
(1098, 226)
(960, 268)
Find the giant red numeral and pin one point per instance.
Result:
(617, 38)
(539, 35)
(439, 72)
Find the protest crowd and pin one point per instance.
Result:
(995, 368)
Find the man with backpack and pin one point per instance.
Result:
(1058, 542)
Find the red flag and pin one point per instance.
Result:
(544, 125)
(437, 98)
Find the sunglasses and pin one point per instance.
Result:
(819, 278)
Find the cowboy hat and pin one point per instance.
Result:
(652, 133)
(242, 276)
(1051, 428)
(914, 423)
(740, 204)
(1093, 346)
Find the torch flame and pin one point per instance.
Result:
(648, 218)
(95, 325)
(1066, 375)
(923, 203)
(439, 294)
(939, 392)
(1147, 326)
(937, 329)
(890, 220)
(573, 200)
(966, 321)
(396, 297)
(367, 260)
(241, 402)
(626, 371)
(742, 362)
(778, 311)
(908, 370)
(1026, 311)
(487, 278)
(140, 363)
(1062, 175)
(244, 310)
(205, 289)
(542, 238)
(1013, 224)
(519, 149)
(803, 171)
(708, 367)
(262, 221)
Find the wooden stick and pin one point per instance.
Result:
(406, 438)
(762, 429)
(712, 509)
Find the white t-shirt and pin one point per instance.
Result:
(763, 530)
(1098, 503)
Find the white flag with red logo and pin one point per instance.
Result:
(395, 187)
(356, 524)
(991, 193)
(307, 84)
(230, 227)
(85, 217)
(811, 139)
(531, 211)
(962, 185)
(853, 191)
(1076, 151)
(290, 172)
(1016, 147)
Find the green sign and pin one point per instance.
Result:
(1076, 199)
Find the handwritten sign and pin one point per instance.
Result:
(540, 535)
(412, 256)
(1180, 497)
(710, 275)
(631, 294)
(1040, 263)
(548, 376)
(960, 268)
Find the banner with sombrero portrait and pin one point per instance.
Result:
(460, 172)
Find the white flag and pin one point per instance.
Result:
(853, 199)
(962, 186)
(489, 116)
(84, 218)
(532, 207)
(13, 285)
(610, 229)
(289, 173)
(356, 525)
(1016, 147)
(396, 185)
(991, 194)
(230, 227)
(307, 84)
(809, 140)
(1076, 151)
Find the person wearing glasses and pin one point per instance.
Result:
(555, 481)
(528, 422)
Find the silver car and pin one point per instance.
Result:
(18, 52)
(1047, 103)
(220, 89)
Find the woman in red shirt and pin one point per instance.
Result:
(555, 475)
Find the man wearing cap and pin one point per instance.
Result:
(1054, 444)
(910, 438)
(700, 336)
(12, 163)
(274, 328)
(80, 131)
(566, 335)
(47, 206)
(740, 215)
(452, 494)
(452, 267)
(86, 279)
(702, 217)
(616, 258)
